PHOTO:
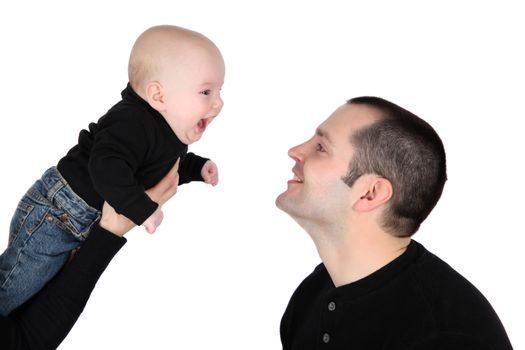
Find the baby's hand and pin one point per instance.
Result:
(153, 221)
(210, 173)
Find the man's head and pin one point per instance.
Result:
(180, 73)
(369, 157)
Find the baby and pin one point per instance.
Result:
(173, 94)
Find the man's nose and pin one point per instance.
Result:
(296, 153)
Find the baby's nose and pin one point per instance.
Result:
(218, 103)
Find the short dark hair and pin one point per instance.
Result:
(407, 151)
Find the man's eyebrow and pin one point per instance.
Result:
(321, 133)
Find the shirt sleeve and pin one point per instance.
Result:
(120, 146)
(190, 168)
(45, 320)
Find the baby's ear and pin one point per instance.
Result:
(155, 96)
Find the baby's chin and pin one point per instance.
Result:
(191, 137)
(186, 137)
(194, 140)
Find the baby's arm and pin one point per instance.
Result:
(191, 167)
(120, 146)
(170, 183)
(210, 173)
(153, 221)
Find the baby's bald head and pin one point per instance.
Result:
(163, 48)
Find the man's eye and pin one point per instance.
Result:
(319, 148)
(206, 92)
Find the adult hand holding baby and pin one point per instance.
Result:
(161, 193)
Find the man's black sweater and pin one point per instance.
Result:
(417, 302)
(128, 150)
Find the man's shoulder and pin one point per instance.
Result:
(318, 276)
(305, 295)
(454, 303)
(436, 276)
(314, 283)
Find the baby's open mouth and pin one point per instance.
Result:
(202, 124)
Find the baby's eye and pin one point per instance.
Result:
(319, 148)
(206, 92)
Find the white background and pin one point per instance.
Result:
(220, 270)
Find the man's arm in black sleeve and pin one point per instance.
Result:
(45, 320)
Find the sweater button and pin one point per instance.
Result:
(326, 338)
(331, 306)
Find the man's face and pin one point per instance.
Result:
(317, 191)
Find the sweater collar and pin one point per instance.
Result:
(128, 94)
(378, 278)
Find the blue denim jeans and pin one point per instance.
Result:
(49, 222)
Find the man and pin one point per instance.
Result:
(362, 186)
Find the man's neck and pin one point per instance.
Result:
(350, 256)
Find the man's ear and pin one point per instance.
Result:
(376, 192)
(155, 96)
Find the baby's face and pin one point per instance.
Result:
(192, 92)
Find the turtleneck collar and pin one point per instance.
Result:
(128, 94)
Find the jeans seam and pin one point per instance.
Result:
(27, 213)
(22, 250)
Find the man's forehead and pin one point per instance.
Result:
(347, 119)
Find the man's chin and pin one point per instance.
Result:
(279, 200)
(284, 203)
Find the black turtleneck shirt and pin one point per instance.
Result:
(129, 149)
(416, 302)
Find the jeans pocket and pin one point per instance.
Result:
(72, 213)
(22, 212)
(68, 223)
